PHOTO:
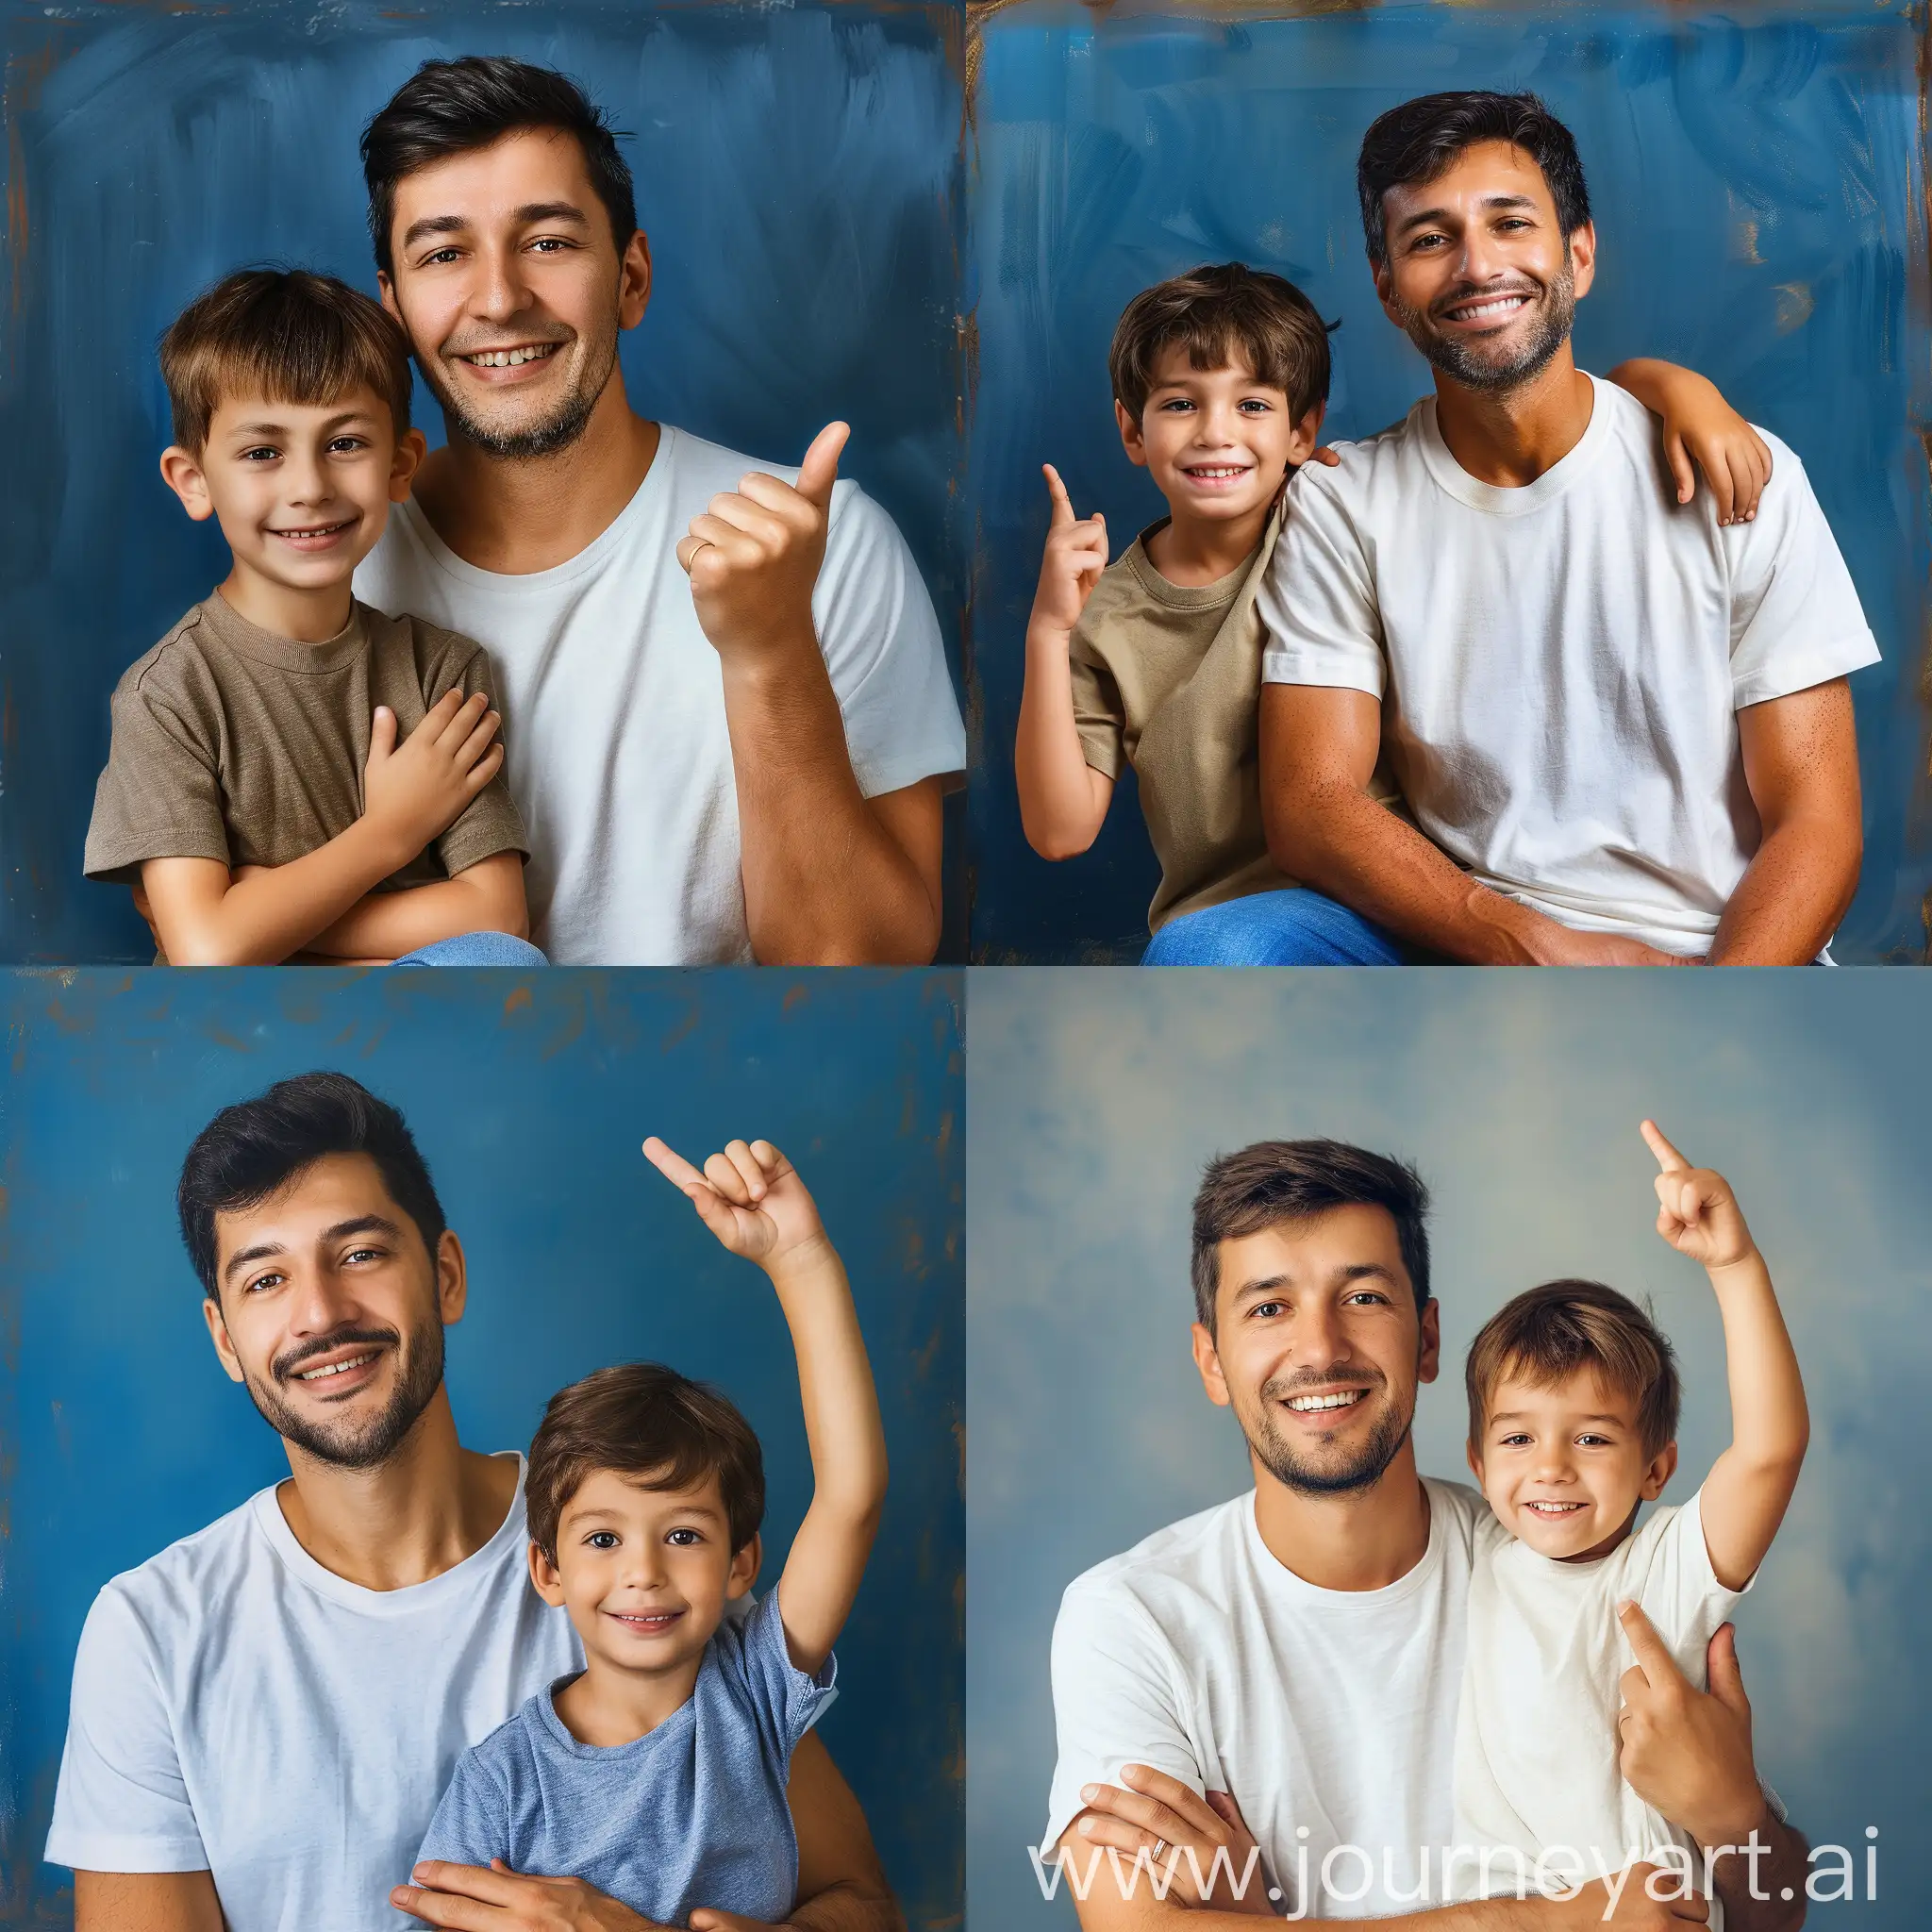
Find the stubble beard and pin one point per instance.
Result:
(1462, 361)
(1294, 1470)
(565, 424)
(348, 1444)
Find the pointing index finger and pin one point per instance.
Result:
(1667, 1157)
(1653, 1658)
(1063, 503)
(672, 1166)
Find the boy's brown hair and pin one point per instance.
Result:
(1551, 1332)
(284, 334)
(1221, 315)
(643, 1420)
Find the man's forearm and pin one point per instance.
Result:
(1765, 1894)
(848, 1907)
(824, 883)
(1791, 897)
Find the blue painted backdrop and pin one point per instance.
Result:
(119, 1432)
(1095, 1098)
(1757, 185)
(798, 172)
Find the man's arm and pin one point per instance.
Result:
(830, 878)
(1801, 763)
(1319, 747)
(485, 897)
(145, 1902)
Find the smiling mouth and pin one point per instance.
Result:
(1216, 472)
(1553, 1511)
(329, 1370)
(646, 1623)
(1489, 308)
(1338, 1398)
(315, 531)
(510, 359)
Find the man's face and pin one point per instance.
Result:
(1318, 1348)
(331, 1311)
(1479, 275)
(513, 291)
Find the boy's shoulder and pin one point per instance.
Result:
(429, 646)
(506, 1757)
(180, 664)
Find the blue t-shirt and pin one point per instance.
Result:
(691, 1814)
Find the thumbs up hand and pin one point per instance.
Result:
(754, 556)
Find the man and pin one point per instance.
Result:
(1622, 725)
(265, 1715)
(741, 762)
(1297, 1651)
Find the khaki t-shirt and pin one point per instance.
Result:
(232, 743)
(1167, 678)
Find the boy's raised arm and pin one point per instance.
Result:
(750, 1196)
(1750, 1485)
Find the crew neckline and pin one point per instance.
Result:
(1223, 589)
(246, 638)
(560, 1735)
(594, 554)
(1504, 500)
(433, 1593)
(1315, 1596)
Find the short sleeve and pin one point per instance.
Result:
(786, 1702)
(159, 796)
(1321, 623)
(881, 643)
(1099, 715)
(1680, 1593)
(471, 1823)
(1796, 620)
(491, 822)
(122, 1802)
(1117, 1700)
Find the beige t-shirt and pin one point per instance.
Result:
(233, 744)
(1167, 678)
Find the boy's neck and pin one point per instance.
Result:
(607, 1707)
(310, 617)
(1192, 553)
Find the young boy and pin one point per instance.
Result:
(291, 771)
(658, 1776)
(1573, 1407)
(1220, 382)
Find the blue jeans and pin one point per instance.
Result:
(1292, 927)
(476, 949)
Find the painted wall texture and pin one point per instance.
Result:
(1757, 183)
(800, 176)
(119, 1432)
(1095, 1098)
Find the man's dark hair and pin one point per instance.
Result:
(256, 1147)
(1421, 139)
(646, 1421)
(1219, 315)
(1563, 1328)
(455, 107)
(286, 335)
(1274, 1181)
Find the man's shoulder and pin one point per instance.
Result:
(1456, 1513)
(1369, 465)
(1191, 1555)
(177, 1586)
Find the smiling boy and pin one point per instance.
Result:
(292, 771)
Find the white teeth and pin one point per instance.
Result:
(511, 358)
(1304, 1404)
(1482, 310)
(334, 1369)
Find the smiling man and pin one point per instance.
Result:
(1621, 724)
(728, 714)
(265, 1715)
(1297, 1651)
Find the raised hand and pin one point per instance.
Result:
(417, 791)
(754, 555)
(750, 1196)
(1697, 1213)
(1074, 557)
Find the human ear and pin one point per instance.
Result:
(1583, 257)
(412, 447)
(1131, 439)
(1430, 1363)
(183, 474)
(1207, 1360)
(452, 1279)
(1475, 1460)
(634, 281)
(1663, 1466)
(745, 1569)
(1308, 433)
(546, 1578)
(218, 1334)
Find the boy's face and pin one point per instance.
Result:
(644, 1574)
(1564, 1467)
(511, 289)
(302, 491)
(1216, 442)
(331, 1311)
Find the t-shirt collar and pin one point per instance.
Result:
(236, 633)
(1503, 501)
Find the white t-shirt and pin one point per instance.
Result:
(613, 704)
(1535, 1750)
(240, 1709)
(1560, 665)
(1329, 1715)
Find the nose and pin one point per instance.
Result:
(1554, 1463)
(643, 1563)
(1479, 259)
(1215, 426)
(305, 480)
(319, 1303)
(1320, 1338)
(502, 290)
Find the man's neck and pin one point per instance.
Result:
(518, 515)
(1365, 1539)
(606, 1707)
(1509, 437)
(429, 1506)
